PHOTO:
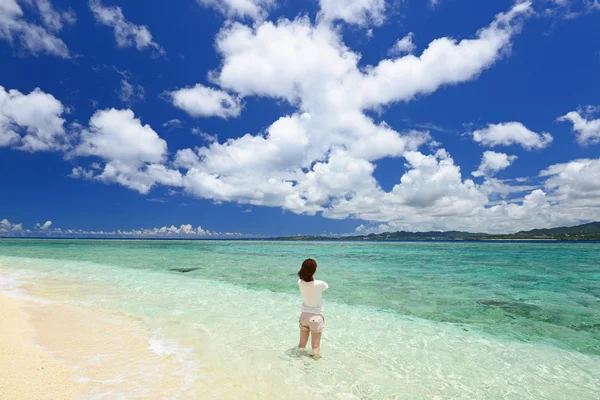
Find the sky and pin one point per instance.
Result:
(240, 118)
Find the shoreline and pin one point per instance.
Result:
(53, 350)
(26, 370)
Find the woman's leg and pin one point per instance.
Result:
(303, 338)
(316, 344)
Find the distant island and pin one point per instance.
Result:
(589, 231)
(585, 232)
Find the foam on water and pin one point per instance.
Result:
(220, 339)
(166, 347)
(11, 284)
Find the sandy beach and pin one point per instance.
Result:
(26, 371)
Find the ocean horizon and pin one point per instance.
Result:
(285, 239)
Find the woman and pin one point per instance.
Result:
(312, 320)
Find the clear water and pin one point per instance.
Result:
(404, 319)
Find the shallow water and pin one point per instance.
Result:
(404, 320)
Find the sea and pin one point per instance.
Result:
(176, 319)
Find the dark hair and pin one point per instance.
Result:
(309, 267)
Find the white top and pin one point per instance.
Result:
(312, 296)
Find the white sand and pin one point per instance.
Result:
(26, 371)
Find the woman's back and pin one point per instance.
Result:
(312, 320)
(312, 295)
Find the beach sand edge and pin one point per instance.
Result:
(26, 370)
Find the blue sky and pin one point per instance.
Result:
(279, 117)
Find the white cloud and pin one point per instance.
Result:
(492, 162)
(43, 227)
(534, 211)
(134, 153)
(360, 12)
(434, 3)
(141, 178)
(432, 187)
(182, 231)
(32, 38)
(570, 197)
(203, 101)
(254, 9)
(509, 133)
(321, 157)
(118, 135)
(575, 184)
(570, 9)
(172, 123)
(53, 19)
(298, 162)
(443, 62)
(81, 173)
(404, 45)
(502, 188)
(209, 138)
(588, 130)
(127, 34)
(8, 227)
(129, 93)
(10, 7)
(297, 61)
(31, 122)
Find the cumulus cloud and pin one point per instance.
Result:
(432, 187)
(203, 101)
(492, 162)
(404, 45)
(575, 183)
(186, 231)
(306, 63)
(8, 227)
(320, 158)
(360, 12)
(127, 34)
(81, 173)
(509, 133)
(587, 130)
(134, 153)
(503, 188)
(253, 9)
(534, 211)
(31, 122)
(43, 227)
(32, 38)
(118, 135)
(569, 196)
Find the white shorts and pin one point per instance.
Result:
(313, 322)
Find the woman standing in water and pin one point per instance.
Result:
(312, 320)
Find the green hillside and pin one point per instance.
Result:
(590, 231)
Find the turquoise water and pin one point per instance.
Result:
(404, 319)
